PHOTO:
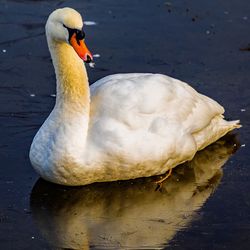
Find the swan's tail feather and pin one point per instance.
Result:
(214, 131)
(234, 124)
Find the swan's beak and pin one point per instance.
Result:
(81, 49)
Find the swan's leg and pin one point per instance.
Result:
(159, 182)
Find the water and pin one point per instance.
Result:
(198, 43)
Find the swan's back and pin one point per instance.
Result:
(148, 116)
(151, 95)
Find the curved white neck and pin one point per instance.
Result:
(71, 111)
(72, 80)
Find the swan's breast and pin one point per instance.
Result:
(59, 146)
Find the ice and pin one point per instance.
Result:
(90, 23)
(91, 64)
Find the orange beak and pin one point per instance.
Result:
(81, 49)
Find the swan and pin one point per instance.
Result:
(123, 126)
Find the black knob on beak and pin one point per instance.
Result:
(89, 59)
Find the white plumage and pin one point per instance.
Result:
(126, 126)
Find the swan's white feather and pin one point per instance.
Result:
(144, 124)
(146, 115)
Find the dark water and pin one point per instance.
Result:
(201, 206)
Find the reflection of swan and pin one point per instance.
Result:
(136, 125)
(128, 214)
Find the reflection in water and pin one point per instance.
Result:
(129, 214)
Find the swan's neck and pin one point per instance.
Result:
(68, 122)
(72, 80)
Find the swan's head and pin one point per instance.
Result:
(66, 25)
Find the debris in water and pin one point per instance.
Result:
(4, 50)
(168, 3)
(247, 48)
(243, 110)
(90, 23)
(96, 55)
(208, 32)
(32, 95)
(245, 18)
(243, 145)
(91, 64)
(53, 95)
(194, 18)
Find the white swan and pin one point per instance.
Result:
(134, 125)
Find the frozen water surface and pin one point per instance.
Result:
(90, 23)
(202, 206)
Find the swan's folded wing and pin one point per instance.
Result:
(148, 114)
(137, 99)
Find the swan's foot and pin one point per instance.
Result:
(159, 182)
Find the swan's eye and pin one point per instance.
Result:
(80, 35)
